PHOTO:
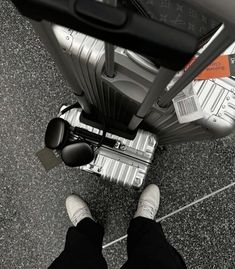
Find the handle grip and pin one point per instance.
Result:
(173, 47)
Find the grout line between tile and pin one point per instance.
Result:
(115, 241)
(195, 202)
(176, 211)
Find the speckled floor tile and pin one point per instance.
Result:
(116, 255)
(189, 171)
(204, 234)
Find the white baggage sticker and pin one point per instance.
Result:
(187, 106)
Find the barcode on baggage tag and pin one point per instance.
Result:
(187, 106)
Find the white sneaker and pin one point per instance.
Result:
(149, 202)
(77, 209)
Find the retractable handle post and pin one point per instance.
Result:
(222, 40)
(109, 50)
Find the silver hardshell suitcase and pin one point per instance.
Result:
(134, 75)
(127, 162)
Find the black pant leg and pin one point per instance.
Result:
(148, 248)
(83, 247)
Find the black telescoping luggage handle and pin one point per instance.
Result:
(119, 26)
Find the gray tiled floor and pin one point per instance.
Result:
(33, 221)
(203, 234)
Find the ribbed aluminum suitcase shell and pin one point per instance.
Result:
(217, 99)
(127, 163)
(119, 97)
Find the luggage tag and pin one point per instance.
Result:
(222, 66)
(186, 103)
(49, 158)
(187, 106)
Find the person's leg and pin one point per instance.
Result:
(83, 247)
(147, 246)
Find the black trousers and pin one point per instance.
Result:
(147, 247)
